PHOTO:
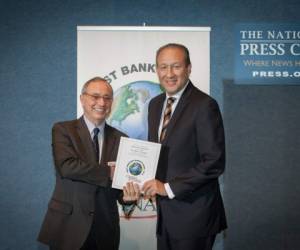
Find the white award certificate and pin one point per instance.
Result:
(136, 162)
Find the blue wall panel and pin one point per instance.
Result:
(262, 176)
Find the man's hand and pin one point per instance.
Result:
(131, 192)
(153, 187)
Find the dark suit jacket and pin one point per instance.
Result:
(192, 159)
(83, 190)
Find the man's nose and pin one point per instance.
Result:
(170, 71)
(100, 100)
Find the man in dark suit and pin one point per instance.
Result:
(83, 212)
(188, 123)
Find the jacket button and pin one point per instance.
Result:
(91, 213)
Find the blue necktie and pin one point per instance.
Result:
(96, 142)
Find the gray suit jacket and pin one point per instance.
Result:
(83, 192)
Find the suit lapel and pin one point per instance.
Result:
(107, 145)
(155, 119)
(86, 139)
(184, 100)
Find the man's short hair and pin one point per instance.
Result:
(178, 46)
(94, 79)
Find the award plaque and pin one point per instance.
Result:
(136, 162)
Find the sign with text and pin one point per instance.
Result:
(267, 54)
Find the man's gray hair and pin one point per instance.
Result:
(94, 79)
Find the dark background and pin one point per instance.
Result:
(38, 87)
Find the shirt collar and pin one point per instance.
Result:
(91, 125)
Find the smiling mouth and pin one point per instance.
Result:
(171, 79)
(99, 110)
(171, 82)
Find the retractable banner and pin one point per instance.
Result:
(125, 57)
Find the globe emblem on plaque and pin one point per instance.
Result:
(135, 168)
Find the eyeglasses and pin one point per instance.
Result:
(98, 97)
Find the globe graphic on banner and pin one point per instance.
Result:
(130, 108)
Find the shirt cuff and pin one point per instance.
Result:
(169, 191)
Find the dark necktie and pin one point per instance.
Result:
(167, 117)
(96, 142)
